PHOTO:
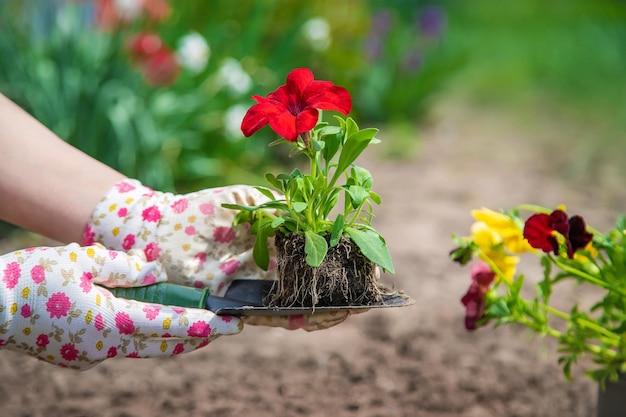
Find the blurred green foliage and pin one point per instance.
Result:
(78, 79)
(558, 64)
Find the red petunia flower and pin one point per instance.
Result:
(294, 107)
(539, 231)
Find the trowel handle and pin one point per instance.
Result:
(165, 293)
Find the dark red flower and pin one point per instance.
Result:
(293, 108)
(579, 237)
(539, 231)
(474, 299)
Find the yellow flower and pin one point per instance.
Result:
(492, 249)
(510, 233)
(507, 264)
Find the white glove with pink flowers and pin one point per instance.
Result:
(51, 308)
(192, 236)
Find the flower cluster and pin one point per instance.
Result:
(306, 201)
(569, 250)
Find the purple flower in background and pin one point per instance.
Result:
(381, 22)
(380, 25)
(412, 61)
(431, 21)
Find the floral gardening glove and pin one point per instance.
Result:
(192, 236)
(51, 308)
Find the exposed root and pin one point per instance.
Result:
(345, 278)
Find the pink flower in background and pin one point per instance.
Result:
(224, 234)
(124, 323)
(58, 305)
(122, 212)
(199, 329)
(151, 214)
(180, 205)
(157, 62)
(12, 274)
(133, 355)
(111, 14)
(112, 352)
(38, 274)
(129, 242)
(69, 352)
(190, 230)
(229, 267)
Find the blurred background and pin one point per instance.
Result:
(157, 88)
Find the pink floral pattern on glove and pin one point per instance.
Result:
(51, 308)
(191, 235)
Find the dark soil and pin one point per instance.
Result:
(408, 361)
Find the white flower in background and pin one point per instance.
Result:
(234, 77)
(317, 32)
(128, 10)
(194, 52)
(232, 121)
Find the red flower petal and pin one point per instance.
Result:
(260, 114)
(298, 80)
(326, 96)
(294, 107)
(538, 232)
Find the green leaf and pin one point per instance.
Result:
(333, 142)
(315, 247)
(354, 146)
(277, 222)
(299, 206)
(358, 195)
(266, 192)
(260, 252)
(375, 197)
(372, 246)
(271, 178)
(337, 231)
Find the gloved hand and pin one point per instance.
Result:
(51, 308)
(193, 237)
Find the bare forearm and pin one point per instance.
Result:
(47, 186)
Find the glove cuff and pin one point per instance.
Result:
(126, 217)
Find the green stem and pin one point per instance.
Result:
(586, 277)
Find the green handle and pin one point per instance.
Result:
(165, 293)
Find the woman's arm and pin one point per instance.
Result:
(46, 185)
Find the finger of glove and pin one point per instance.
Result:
(308, 322)
(113, 268)
(156, 347)
(213, 250)
(155, 320)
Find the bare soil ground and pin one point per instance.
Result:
(412, 361)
